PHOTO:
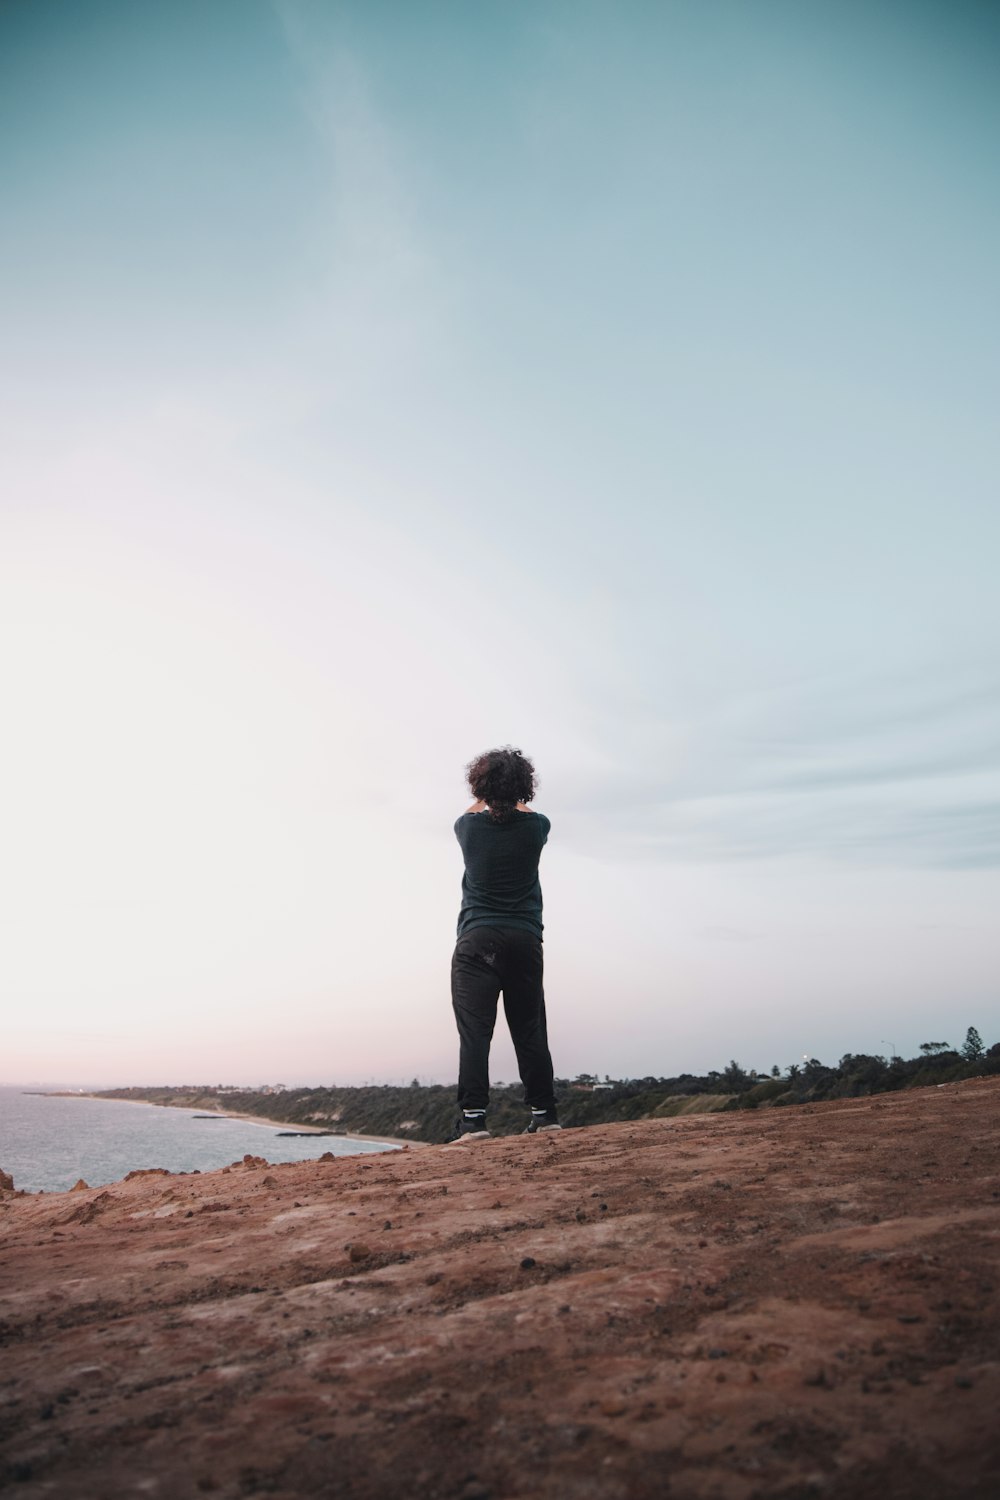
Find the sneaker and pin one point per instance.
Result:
(471, 1126)
(542, 1119)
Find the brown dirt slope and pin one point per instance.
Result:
(787, 1303)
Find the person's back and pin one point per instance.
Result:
(501, 881)
(499, 945)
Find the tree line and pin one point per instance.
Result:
(426, 1112)
(864, 1073)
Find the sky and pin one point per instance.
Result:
(387, 380)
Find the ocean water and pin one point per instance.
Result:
(47, 1143)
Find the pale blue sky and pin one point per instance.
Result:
(384, 381)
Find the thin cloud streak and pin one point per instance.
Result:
(374, 308)
(725, 787)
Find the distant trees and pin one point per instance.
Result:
(426, 1112)
(735, 1078)
(862, 1073)
(973, 1049)
(814, 1070)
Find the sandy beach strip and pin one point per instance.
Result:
(297, 1129)
(228, 1114)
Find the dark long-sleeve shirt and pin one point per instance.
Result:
(500, 887)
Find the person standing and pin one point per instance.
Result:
(499, 944)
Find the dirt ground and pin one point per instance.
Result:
(787, 1303)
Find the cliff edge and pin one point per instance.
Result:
(797, 1303)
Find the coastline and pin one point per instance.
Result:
(349, 1135)
(228, 1114)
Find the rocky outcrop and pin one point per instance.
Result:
(6, 1182)
(717, 1307)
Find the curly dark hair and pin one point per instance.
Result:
(501, 778)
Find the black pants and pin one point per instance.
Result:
(486, 961)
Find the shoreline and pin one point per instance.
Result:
(347, 1135)
(228, 1114)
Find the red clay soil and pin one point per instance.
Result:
(787, 1303)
